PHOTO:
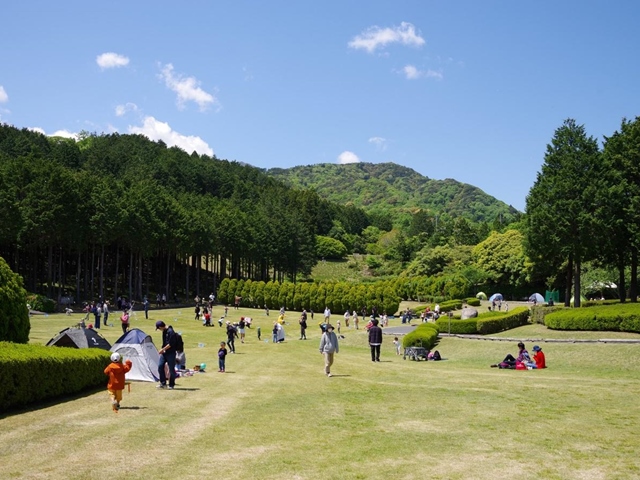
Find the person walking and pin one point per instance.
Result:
(105, 310)
(124, 321)
(167, 355)
(375, 340)
(232, 334)
(303, 326)
(328, 348)
(116, 372)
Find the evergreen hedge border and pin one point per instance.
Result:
(425, 335)
(491, 322)
(35, 373)
(613, 318)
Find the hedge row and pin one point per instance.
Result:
(486, 323)
(623, 317)
(445, 306)
(33, 373)
(425, 335)
(338, 296)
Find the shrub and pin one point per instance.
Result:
(33, 373)
(330, 248)
(617, 317)
(472, 301)
(14, 315)
(459, 327)
(425, 335)
(506, 321)
(41, 303)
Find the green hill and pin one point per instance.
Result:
(388, 187)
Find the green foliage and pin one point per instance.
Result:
(472, 301)
(502, 257)
(512, 319)
(33, 373)
(458, 327)
(14, 316)
(425, 335)
(40, 303)
(330, 248)
(621, 317)
(387, 188)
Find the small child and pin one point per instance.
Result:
(398, 345)
(222, 355)
(116, 371)
(226, 310)
(259, 333)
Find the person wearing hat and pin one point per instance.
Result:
(116, 372)
(167, 355)
(328, 347)
(538, 357)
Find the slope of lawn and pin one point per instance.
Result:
(274, 415)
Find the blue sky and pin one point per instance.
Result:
(470, 90)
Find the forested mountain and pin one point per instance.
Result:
(387, 187)
(121, 213)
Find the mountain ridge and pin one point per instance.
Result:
(389, 187)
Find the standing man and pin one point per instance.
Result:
(375, 340)
(327, 314)
(328, 348)
(303, 325)
(146, 307)
(167, 355)
(105, 310)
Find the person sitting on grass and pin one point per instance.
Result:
(538, 357)
(512, 362)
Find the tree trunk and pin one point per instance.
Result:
(633, 286)
(576, 290)
(187, 265)
(115, 280)
(569, 283)
(101, 283)
(78, 271)
(49, 271)
(130, 276)
(167, 284)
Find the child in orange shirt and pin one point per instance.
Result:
(116, 371)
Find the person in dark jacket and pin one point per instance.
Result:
(375, 340)
(167, 355)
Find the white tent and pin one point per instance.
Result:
(537, 298)
(137, 346)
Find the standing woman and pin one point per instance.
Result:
(124, 319)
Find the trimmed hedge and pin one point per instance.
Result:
(425, 335)
(444, 306)
(33, 373)
(623, 317)
(472, 301)
(486, 323)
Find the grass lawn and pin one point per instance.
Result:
(274, 415)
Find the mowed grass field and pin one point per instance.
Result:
(274, 415)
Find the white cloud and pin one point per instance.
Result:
(36, 129)
(376, 37)
(3, 95)
(156, 130)
(65, 134)
(111, 60)
(127, 107)
(348, 157)
(187, 88)
(412, 73)
(379, 142)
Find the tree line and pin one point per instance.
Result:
(120, 215)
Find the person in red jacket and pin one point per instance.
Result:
(116, 371)
(538, 357)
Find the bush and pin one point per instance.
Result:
(14, 315)
(624, 317)
(472, 301)
(330, 248)
(33, 373)
(425, 335)
(458, 327)
(539, 312)
(506, 321)
(40, 303)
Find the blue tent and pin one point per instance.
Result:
(496, 297)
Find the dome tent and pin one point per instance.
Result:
(137, 346)
(481, 296)
(78, 337)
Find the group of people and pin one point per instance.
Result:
(524, 361)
